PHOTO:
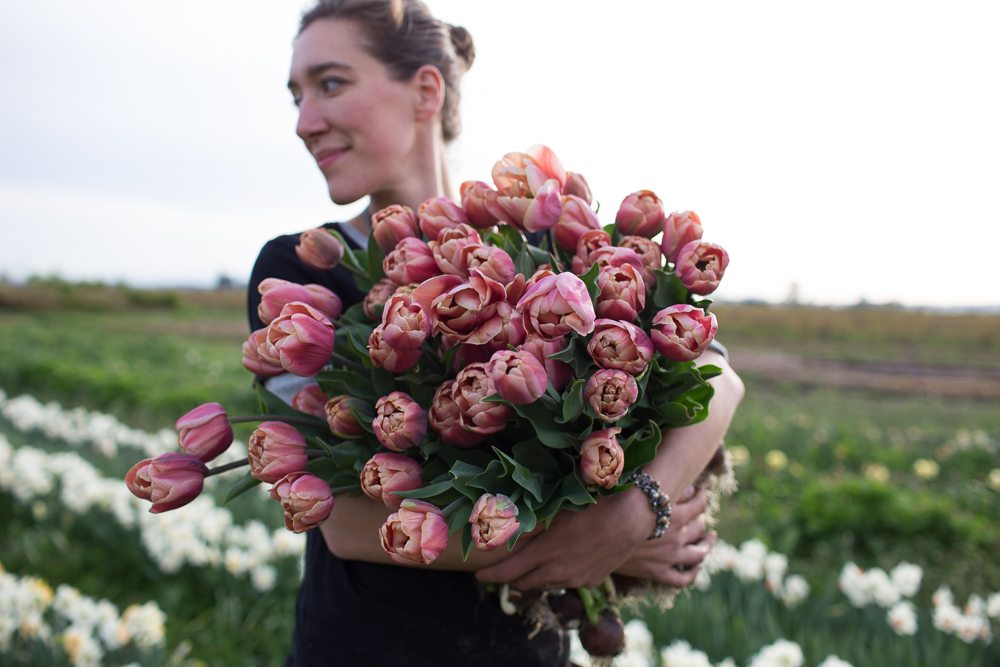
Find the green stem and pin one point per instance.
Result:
(288, 419)
(226, 467)
(344, 361)
(609, 589)
(589, 604)
(453, 506)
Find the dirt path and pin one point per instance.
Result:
(894, 377)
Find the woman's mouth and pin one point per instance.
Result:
(328, 156)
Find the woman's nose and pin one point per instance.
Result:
(311, 121)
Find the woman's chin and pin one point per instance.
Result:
(342, 196)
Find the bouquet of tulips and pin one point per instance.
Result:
(513, 358)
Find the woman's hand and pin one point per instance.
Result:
(579, 548)
(675, 558)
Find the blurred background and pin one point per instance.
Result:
(844, 155)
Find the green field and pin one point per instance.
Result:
(867, 435)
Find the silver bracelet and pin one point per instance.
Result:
(659, 502)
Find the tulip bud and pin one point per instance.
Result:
(274, 294)
(588, 242)
(641, 214)
(622, 293)
(700, 266)
(445, 418)
(274, 450)
(376, 298)
(386, 473)
(440, 213)
(301, 339)
(405, 325)
(311, 400)
(518, 376)
(577, 185)
(205, 431)
(575, 218)
(492, 261)
(447, 248)
(556, 305)
(385, 356)
(340, 416)
(545, 208)
(479, 202)
(324, 300)
(679, 229)
(305, 500)
(411, 261)
(622, 345)
(610, 393)
(559, 372)
(650, 254)
(472, 385)
(602, 458)
(392, 224)
(416, 533)
(319, 249)
(400, 422)
(254, 361)
(494, 521)
(170, 480)
(682, 332)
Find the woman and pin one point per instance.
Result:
(376, 84)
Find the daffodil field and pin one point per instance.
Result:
(865, 530)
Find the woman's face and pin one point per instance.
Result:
(358, 123)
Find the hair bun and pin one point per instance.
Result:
(461, 40)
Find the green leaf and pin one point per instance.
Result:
(428, 491)
(345, 454)
(490, 479)
(528, 480)
(590, 280)
(241, 487)
(641, 447)
(543, 421)
(336, 381)
(374, 260)
(459, 519)
(538, 459)
(383, 381)
(466, 542)
(573, 401)
(669, 290)
(524, 262)
(462, 470)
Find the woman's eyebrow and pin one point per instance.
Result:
(319, 68)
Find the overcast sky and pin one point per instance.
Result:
(852, 148)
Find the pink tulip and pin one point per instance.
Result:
(254, 361)
(319, 249)
(588, 242)
(311, 400)
(305, 500)
(411, 261)
(576, 218)
(622, 293)
(610, 393)
(700, 266)
(440, 213)
(616, 256)
(276, 449)
(385, 356)
(518, 376)
(641, 214)
(622, 345)
(447, 249)
(577, 185)
(376, 298)
(679, 230)
(392, 224)
(510, 175)
(559, 372)
(300, 338)
(445, 418)
(492, 261)
(405, 325)
(469, 311)
(650, 254)
(511, 330)
(274, 294)
(548, 164)
(205, 431)
(682, 332)
(400, 422)
(479, 201)
(601, 458)
(340, 416)
(324, 300)
(416, 533)
(472, 384)
(170, 480)
(494, 521)
(556, 305)
(386, 473)
(545, 208)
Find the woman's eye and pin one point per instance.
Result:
(297, 101)
(330, 85)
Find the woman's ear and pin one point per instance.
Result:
(429, 88)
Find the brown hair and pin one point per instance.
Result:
(404, 36)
